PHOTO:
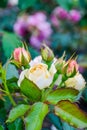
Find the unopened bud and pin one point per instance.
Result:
(59, 64)
(72, 68)
(21, 56)
(47, 53)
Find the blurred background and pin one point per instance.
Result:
(61, 24)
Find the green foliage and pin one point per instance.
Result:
(16, 125)
(10, 74)
(36, 116)
(3, 3)
(17, 112)
(83, 4)
(9, 42)
(62, 94)
(66, 126)
(29, 89)
(67, 4)
(71, 113)
(12, 84)
(24, 4)
(33, 52)
(1, 127)
(84, 94)
(55, 120)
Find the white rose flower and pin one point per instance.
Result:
(39, 74)
(36, 60)
(77, 82)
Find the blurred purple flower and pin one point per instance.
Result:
(35, 19)
(81, 69)
(60, 13)
(20, 27)
(55, 20)
(36, 25)
(34, 41)
(39, 28)
(74, 16)
(45, 29)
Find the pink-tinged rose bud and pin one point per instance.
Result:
(72, 67)
(21, 56)
(74, 16)
(61, 13)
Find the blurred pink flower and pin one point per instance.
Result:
(36, 19)
(20, 27)
(45, 29)
(60, 13)
(74, 16)
(55, 20)
(39, 28)
(36, 25)
(34, 41)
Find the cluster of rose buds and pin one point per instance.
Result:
(36, 25)
(59, 13)
(40, 73)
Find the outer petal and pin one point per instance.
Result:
(37, 60)
(23, 73)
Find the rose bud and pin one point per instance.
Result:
(60, 62)
(59, 65)
(72, 68)
(47, 53)
(21, 56)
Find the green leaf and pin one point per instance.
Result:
(17, 112)
(62, 94)
(9, 42)
(67, 4)
(71, 113)
(30, 90)
(16, 125)
(1, 127)
(24, 4)
(11, 72)
(3, 3)
(12, 85)
(66, 126)
(36, 116)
